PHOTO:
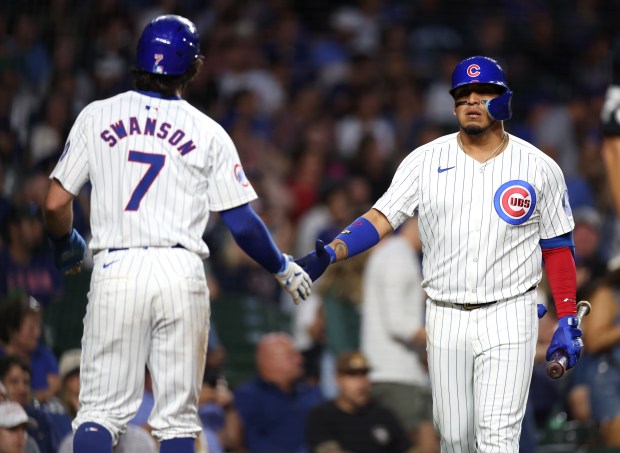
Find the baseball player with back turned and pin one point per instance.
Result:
(157, 167)
(491, 207)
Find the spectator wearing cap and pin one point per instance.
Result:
(15, 376)
(273, 406)
(69, 370)
(352, 422)
(14, 423)
(25, 262)
(20, 334)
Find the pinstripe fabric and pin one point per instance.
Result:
(480, 227)
(480, 363)
(470, 253)
(174, 208)
(149, 306)
(157, 168)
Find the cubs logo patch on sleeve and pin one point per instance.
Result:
(240, 175)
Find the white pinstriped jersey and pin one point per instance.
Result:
(157, 167)
(480, 224)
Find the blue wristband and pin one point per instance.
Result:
(359, 237)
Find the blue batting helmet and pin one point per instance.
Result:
(168, 45)
(484, 70)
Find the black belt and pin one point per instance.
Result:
(178, 246)
(475, 306)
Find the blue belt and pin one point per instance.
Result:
(178, 246)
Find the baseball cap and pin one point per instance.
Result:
(69, 362)
(352, 362)
(13, 415)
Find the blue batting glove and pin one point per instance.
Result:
(567, 338)
(68, 251)
(542, 311)
(315, 262)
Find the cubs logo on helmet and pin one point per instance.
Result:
(515, 201)
(473, 70)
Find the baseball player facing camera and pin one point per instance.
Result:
(492, 208)
(157, 167)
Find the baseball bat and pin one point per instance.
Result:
(559, 360)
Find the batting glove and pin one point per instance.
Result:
(68, 251)
(295, 280)
(315, 262)
(567, 337)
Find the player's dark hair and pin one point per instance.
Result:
(8, 362)
(166, 85)
(13, 311)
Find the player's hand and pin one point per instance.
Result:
(68, 252)
(315, 262)
(295, 280)
(542, 311)
(567, 337)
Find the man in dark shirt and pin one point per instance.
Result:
(352, 423)
(25, 262)
(273, 406)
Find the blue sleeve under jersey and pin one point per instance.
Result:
(252, 236)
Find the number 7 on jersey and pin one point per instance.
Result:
(156, 163)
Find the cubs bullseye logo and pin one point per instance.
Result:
(473, 70)
(240, 175)
(515, 201)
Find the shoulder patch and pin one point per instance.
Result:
(240, 175)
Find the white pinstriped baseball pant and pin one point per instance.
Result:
(145, 307)
(480, 364)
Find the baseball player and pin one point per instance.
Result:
(157, 167)
(491, 207)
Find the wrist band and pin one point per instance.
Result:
(359, 237)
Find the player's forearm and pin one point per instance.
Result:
(58, 210)
(561, 272)
(253, 238)
(361, 235)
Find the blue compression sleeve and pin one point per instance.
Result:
(359, 237)
(564, 240)
(252, 236)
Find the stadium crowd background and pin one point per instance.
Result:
(323, 100)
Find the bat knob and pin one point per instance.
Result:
(557, 365)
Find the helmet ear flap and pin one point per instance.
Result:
(499, 108)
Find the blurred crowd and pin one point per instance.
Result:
(322, 100)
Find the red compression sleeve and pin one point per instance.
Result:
(562, 276)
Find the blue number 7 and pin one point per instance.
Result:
(156, 162)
